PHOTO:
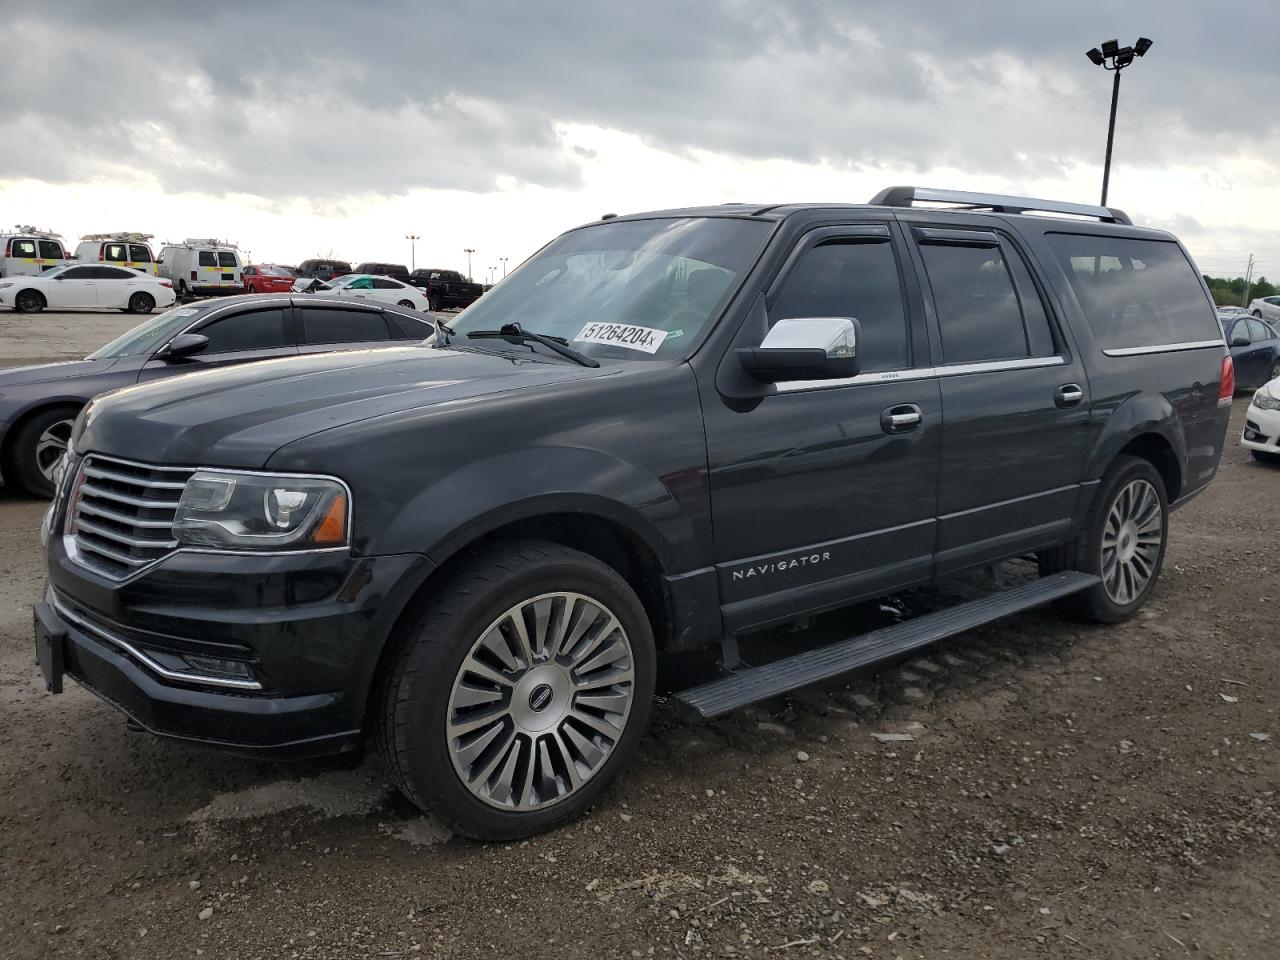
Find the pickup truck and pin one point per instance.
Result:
(665, 432)
(446, 288)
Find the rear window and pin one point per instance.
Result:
(115, 253)
(227, 260)
(51, 250)
(206, 259)
(139, 253)
(23, 248)
(1135, 293)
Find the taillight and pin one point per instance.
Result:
(193, 274)
(1227, 388)
(101, 256)
(8, 248)
(166, 283)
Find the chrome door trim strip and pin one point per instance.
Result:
(1163, 348)
(922, 373)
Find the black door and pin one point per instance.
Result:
(234, 337)
(818, 498)
(1015, 399)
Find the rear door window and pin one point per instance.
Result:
(226, 259)
(855, 277)
(22, 248)
(115, 253)
(207, 259)
(335, 325)
(1135, 292)
(139, 253)
(51, 250)
(252, 330)
(79, 273)
(381, 283)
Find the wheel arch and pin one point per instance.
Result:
(1146, 426)
(24, 416)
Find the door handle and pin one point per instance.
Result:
(902, 418)
(1068, 395)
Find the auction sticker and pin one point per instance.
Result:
(626, 335)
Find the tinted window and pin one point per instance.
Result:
(139, 254)
(115, 252)
(332, 325)
(255, 330)
(1259, 331)
(851, 279)
(380, 283)
(79, 273)
(407, 328)
(227, 260)
(978, 314)
(207, 259)
(1135, 293)
(51, 250)
(23, 248)
(1039, 330)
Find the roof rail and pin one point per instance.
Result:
(995, 202)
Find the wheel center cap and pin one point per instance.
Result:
(541, 697)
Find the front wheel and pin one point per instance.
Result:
(38, 447)
(29, 301)
(521, 689)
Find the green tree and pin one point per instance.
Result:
(1229, 292)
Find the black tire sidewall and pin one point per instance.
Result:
(440, 644)
(37, 301)
(145, 303)
(1098, 605)
(23, 461)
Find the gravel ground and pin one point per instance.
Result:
(1056, 790)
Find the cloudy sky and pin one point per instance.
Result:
(312, 128)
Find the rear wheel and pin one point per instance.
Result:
(29, 301)
(433, 304)
(407, 304)
(142, 303)
(521, 689)
(38, 446)
(1123, 544)
(182, 294)
(1257, 313)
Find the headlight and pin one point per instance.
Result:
(1263, 400)
(259, 511)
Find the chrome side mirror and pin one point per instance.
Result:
(805, 348)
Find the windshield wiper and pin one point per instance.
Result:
(517, 334)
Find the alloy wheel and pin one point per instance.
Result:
(1131, 541)
(540, 701)
(51, 446)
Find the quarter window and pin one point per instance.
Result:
(321, 325)
(855, 278)
(978, 313)
(253, 330)
(1135, 293)
(1258, 331)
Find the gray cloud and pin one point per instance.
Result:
(328, 99)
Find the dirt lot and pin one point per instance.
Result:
(1068, 791)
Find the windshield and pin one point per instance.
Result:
(635, 289)
(146, 337)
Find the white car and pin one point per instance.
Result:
(87, 287)
(1262, 423)
(364, 286)
(1266, 308)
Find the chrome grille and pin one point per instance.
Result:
(122, 514)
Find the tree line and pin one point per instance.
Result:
(1230, 293)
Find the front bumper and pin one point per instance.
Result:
(1261, 430)
(304, 633)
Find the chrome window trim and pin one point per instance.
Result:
(1163, 348)
(122, 644)
(922, 373)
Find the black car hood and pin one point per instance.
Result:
(239, 416)
(43, 372)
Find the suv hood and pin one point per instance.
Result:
(239, 416)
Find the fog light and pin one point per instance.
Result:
(235, 669)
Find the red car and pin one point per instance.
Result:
(267, 278)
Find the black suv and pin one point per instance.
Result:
(663, 432)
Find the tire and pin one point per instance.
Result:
(1270, 459)
(29, 301)
(407, 304)
(181, 292)
(1256, 313)
(37, 446)
(433, 304)
(142, 303)
(1105, 603)
(466, 626)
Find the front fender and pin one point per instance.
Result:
(493, 491)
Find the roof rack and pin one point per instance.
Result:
(211, 242)
(134, 237)
(33, 232)
(995, 202)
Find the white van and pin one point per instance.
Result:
(202, 268)
(26, 251)
(119, 250)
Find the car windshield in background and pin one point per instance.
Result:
(146, 337)
(633, 289)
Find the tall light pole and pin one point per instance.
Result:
(504, 267)
(1115, 58)
(413, 239)
(468, 251)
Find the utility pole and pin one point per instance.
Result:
(1111, 56)
(469, 251)
(504, 267)
(413, 239)
(1248, 281)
